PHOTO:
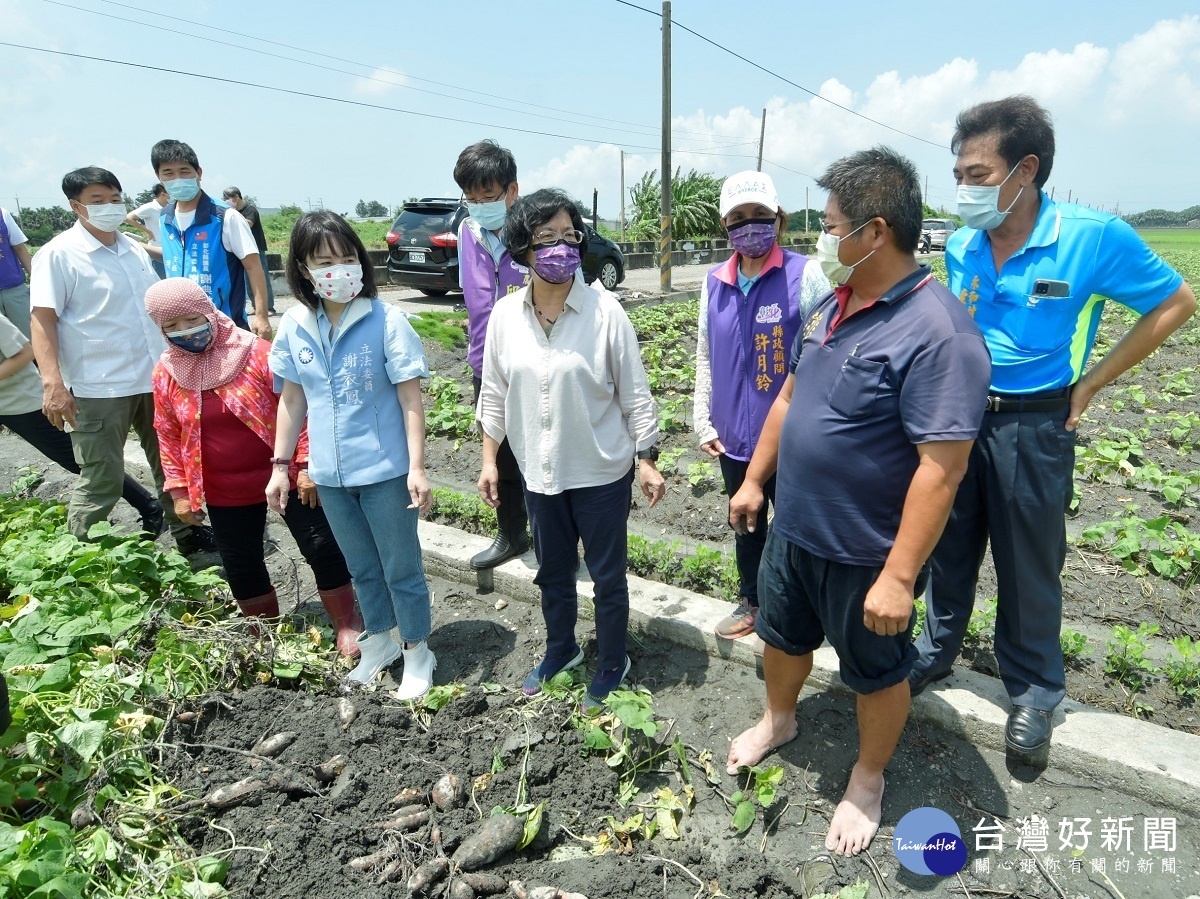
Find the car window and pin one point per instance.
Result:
(423, 223)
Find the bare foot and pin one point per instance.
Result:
(749, 747)
(857, 817)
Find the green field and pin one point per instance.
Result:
(1171, 238)
(278, 228)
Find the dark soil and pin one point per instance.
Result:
(1097, 592)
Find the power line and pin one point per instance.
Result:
(643, 128)
(762, 68)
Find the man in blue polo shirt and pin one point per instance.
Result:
(869, 449)
(1034, 274)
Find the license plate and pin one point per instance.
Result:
(416, 257)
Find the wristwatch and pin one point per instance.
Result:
(651, 453)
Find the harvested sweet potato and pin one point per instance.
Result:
(406, 823)
(427, 874)
(461, 890)
(346, 712)
(408, 796)
(544, 893)
(390, 872)
(372, 861)
(484, 884)
(275, 744)
(499, 834)
(326, 772)
(235, 793)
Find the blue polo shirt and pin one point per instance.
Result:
(911, 368)
(1039, 342)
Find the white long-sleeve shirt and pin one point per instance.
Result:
(575, 404)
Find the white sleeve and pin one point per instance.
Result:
(47, 281)
(15, 234)
(813, 286)
(236, 235)
(702, 395)
(142, 210)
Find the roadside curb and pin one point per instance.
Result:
(1154, 763)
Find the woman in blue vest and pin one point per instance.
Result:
(751, 308)
(353, 365)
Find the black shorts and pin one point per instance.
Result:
(806, 599)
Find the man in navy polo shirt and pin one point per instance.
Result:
(1034, 275)
(870, 436)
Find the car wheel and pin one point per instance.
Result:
(609, 275)
(433, 292)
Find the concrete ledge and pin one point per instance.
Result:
(1154, 763)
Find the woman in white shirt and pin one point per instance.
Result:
(563, 381)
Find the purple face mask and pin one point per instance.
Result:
(556, 264)
(753, 237)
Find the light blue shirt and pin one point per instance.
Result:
(1040, 342)
(493, 244)
(745, 283)
(355, 421)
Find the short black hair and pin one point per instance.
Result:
(483, 164)
(76, 182)
(312, 231)
(878, 183)
(158, 189)
(1022, 127)
(530, 213)
(172, 151)
(232, 192)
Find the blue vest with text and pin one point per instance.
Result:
(199, 255)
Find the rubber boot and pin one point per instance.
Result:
(513, 539)
(378, 651)
(265, 606)
(419, 663)
(343, 612)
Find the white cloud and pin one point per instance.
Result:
(582, 169)
(1154, 71)
(379, 82)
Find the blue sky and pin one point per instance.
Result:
(1121, 79)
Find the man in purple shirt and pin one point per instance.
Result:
(869, 449)
(487, 175)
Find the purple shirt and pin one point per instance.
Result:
(11, 273)
(911, 368)
(483, 281)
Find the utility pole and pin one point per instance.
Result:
(18, 199)
(622, 195)
(762, 133)
(1052, 193)
(1068, 196)
(806, 210)
(926, 198)
(596, 209)
(664, 241)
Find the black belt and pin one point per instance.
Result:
(1046, 401)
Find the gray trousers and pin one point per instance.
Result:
(101, 426)
(14, 305)
(1016, 493)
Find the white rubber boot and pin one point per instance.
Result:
(378, 651)
(419, 663)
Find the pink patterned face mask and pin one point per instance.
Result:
(556, 264)
(337, 283)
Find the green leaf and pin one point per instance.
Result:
(212, 870)
(287, 670)
(85, 737)
(533, 824)
(743, 817)
(595, 738)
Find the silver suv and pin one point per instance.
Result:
(935, 232)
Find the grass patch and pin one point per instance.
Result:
(447, 328)
(1161, 239)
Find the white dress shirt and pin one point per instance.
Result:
(107, 342)
(575, 404)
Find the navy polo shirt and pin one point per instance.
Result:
(1041, 342)
(911, 368)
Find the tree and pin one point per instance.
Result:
(796, 220)
(44, 222)
(365, 209)
(695, 199)
(293, 211)
(143, 198)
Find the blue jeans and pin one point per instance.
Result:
(599, 516)
(378, 536)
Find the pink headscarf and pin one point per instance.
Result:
(222, 359)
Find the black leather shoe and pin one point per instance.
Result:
(199, 539)
(501, 550)
(1028, 730)
(916, 685)
(153, 522)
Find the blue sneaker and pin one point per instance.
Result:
(602, 684)
(550, 666)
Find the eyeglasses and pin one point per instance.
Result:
(482, 200)
(549, 238)
(825, 226)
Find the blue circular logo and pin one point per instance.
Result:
(928, 841)
(306, 355)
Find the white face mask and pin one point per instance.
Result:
(106, 216)
(830, 260)
(337, 283)
(979, 204)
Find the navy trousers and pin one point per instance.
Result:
(1016, 493)
(747, 547)
(599, 516)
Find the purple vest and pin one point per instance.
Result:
(11, 273)
(483, 282)
(749, 338)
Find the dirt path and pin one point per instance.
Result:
(298, 843)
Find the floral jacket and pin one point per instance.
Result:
(250, 396)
